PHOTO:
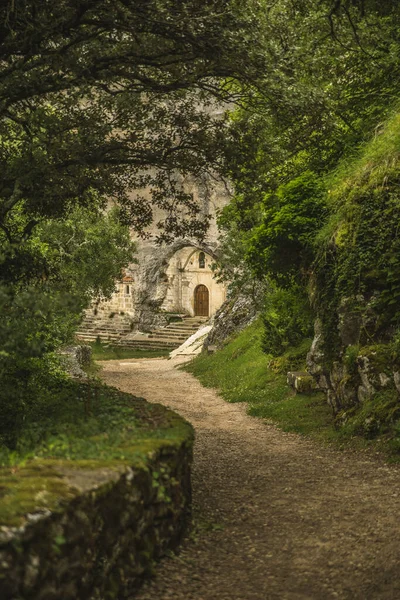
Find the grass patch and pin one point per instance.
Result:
(102, 351)
(90, 421)
(243, 373)
(376, 164)
(86, 426)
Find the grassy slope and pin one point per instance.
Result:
(241, 373)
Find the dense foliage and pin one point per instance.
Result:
(282, 243)
(105, 97)
(358, 249)
(46, 283)
(335, 66)
(98, 99)
(287, 318)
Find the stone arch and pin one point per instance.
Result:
(188, 258)
(184, 243)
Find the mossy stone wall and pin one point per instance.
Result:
(101, 544)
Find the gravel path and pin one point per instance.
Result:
(278, 517)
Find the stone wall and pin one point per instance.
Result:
(101, 544)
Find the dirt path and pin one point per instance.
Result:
(280, 517)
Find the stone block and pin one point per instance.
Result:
(301, 381)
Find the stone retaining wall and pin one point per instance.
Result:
(100, 545)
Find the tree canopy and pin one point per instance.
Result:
(99, 98)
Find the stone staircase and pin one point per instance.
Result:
(107, 329)
(163, 338)
(117, 331)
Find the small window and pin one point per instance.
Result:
(202, 260)
(127, 290)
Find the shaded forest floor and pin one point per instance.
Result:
(276, 516)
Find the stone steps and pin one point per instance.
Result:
(93, 337)
(164, 338)
(111, 330)
(169, 334)
(149, 344)
(106, 328)
(182, 329)
(117, 331)
(101, 326)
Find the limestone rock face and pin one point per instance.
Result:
(315, 356)
(350, 320)
(316, 365)
(76, 357)
(365, 390)
(233, 316)
(361, 369)
(396, 378)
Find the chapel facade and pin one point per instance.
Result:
(192, 288)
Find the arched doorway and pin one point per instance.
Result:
(201, 301)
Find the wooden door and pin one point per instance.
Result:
(201, 301)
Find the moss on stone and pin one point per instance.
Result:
(31, 489)
(293, 359)
(46, 484)
(99, 543)
(305, 384)
(379, 416)
(380, 356)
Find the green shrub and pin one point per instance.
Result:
(293, 359)
(282, 244)
(287, 319)
(350, 359)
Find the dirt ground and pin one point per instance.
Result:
(277, 516)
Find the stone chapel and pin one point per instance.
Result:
(165, 281)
